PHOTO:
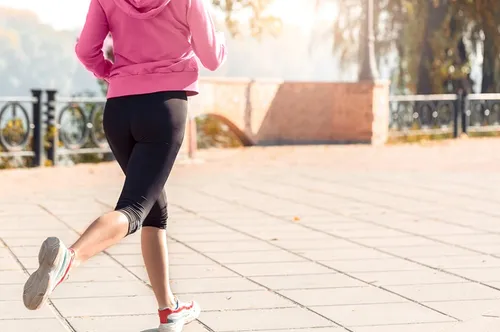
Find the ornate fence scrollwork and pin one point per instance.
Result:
(96, 121)
(483, 113)
(20, 130)
(79, 127)
(73, 127)
(15, 127)
(422, 115)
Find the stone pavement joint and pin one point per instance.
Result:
(296, 239)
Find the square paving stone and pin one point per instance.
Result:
(381, 314)
(373, 265)
(174, 259)
(212, 285)
(91, 274)
(274, 256)
(229, 236)
(107, 306)
(32, 325)
(310, 281)
(417, 277)
(447, 292)
(12, 277)
(467, 310)
(342, 254)
(266, 319)
(459, 262)
(240, 301)
(36, 237)
(483, 324)
(482, 275)
(316, 329)
(331, 243)
(8, 263)
(100, 261)
(97, 289)
(189, 272)
(428, 251)
(16, 310)
(406, 241)
(427, 327)
(341, 296)
(12, 292)
(211, 247)
(125, 323)
(276, 269)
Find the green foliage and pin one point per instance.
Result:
(435, 40)
(213, 133)
(259, 22)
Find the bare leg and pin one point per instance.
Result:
(155, 254)
(104, 232)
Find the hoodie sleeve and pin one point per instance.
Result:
(89, 46)
(208, 45)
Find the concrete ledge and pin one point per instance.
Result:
(276, 112)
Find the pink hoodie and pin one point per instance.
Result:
(155, 43)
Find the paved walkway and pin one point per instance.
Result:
(297, 239)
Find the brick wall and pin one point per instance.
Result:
(279, 112)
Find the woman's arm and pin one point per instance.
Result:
(208, 45)
(89, 46)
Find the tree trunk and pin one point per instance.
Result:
(490, 53)
(435, 18)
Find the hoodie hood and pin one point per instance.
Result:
(142, 9)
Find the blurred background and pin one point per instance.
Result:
(440, 49)
(418, 43)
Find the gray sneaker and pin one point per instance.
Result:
(55, 261)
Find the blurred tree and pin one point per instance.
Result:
(434, 39)
(259, 21)
(483, 32)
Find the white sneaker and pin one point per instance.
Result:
(173, 320)
(55, 261)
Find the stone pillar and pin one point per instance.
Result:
(360, 112)
(190, 142)
(381, 112)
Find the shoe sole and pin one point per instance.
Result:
(39, 285)
(177, 327)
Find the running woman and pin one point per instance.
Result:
(156, 47)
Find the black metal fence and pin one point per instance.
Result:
(444, 115)
(21, 128)
(75, 126)
(45, 129)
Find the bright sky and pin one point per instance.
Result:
(69, 14)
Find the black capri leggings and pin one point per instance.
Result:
(145, 133)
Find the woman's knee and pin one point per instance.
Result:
(137, 217)
(135, 214)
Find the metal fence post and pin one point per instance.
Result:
(52, 132)
(457, 115)
(465, 114)
(38, 128)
